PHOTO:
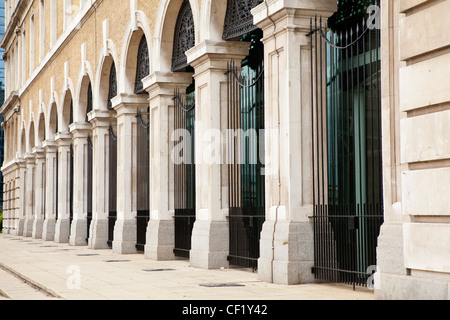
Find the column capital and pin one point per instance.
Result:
(29, 158)
(100, 118)
(291, 13)
(80, 129)
(216, 54)
(39, 153)
(125, 104)
(164, 83)
(63, 139)
(50, 146)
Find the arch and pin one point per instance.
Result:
(165, 28)
(130, 48)
(66, 114)
(85, 101)
(213, 18)
(85, 79)
(41, 130)
(23, 142)
(52, 122)
(101, 86)
(31, 137)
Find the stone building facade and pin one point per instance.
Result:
(91, 111)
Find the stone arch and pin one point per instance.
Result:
(130, 47)
(52, 121)
(66, 113)
(23, 142)
(81, 111)
(31, 143)
(41, 129)
(85, 78)
(213, 18)
(106, 60)
(164, 33)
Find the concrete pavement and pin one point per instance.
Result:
(38, 270)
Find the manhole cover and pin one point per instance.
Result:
(158, 270)
(221, 285)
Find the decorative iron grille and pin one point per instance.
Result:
(238, 18)
(112, 91)
(184, 38)
(143, 66)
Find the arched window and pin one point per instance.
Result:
(184, 38)
(112, 85)
(238, 19)
(143, 65)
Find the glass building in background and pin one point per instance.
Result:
(2, 94)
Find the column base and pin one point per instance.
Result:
(210, 245)
(98, 231)
(160, 240)
(62, 231)
(28, 227)
(38, 226)
(78, 232)
(48, 230)
(124, 237)
(21, 226)
(286, 253)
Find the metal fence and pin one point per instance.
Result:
(347, 183)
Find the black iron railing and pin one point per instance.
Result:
(346, 149)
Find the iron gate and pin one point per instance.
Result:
(71, 191)
(112, 194)
(246, 182)
(142, 194)
(90, 157)
(184, 172)
(346, 131)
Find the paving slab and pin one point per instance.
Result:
(61, 271)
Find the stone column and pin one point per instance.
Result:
(100, 121)
(62, 228)
(160, 238)
(210, 235)
(29, 195)
(39, 188)
(125, 228)
(287, 238)
(22, 192)
(51, 154)
(78, 229)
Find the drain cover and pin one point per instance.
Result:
(117, 261)
(221, 285)
(158, 270)
(87, 254)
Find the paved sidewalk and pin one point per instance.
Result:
(78, 273)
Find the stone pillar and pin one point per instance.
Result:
(51, 154)
(160, 238)
(287, 238)
(100, 121)
(39, 189)
(22, 193)
(29, 195)
(78, 229)
(62, 228)
(125, 228)
(210, 235)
